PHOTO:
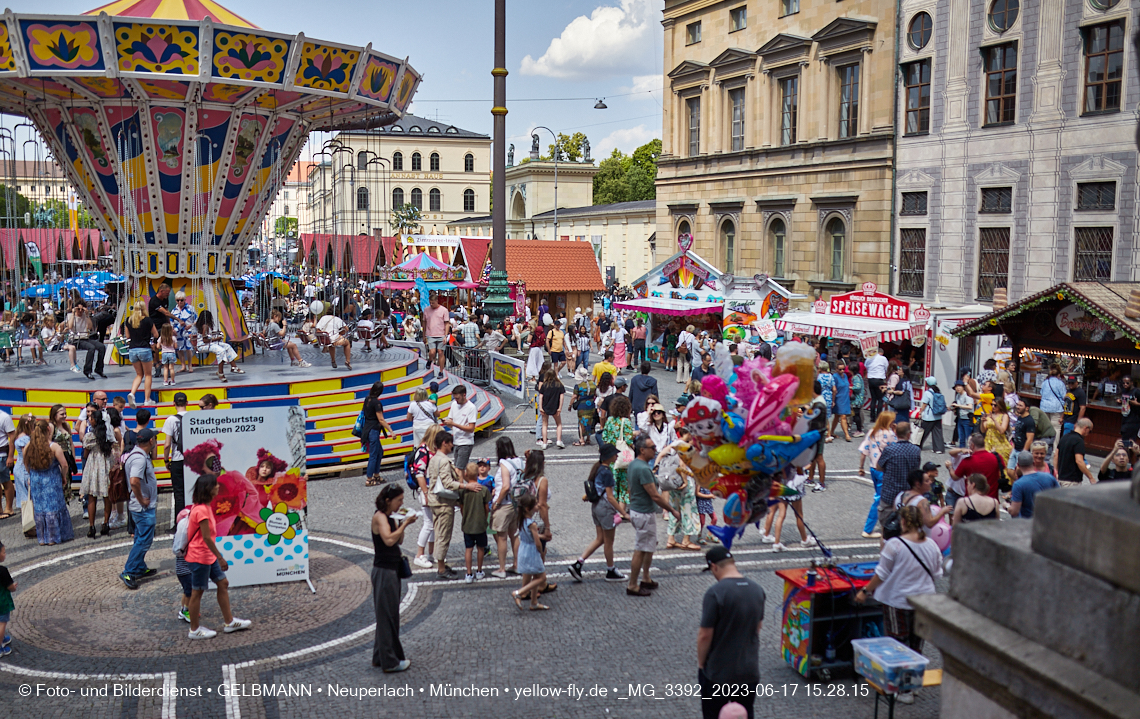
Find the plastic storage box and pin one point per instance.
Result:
(889, 664)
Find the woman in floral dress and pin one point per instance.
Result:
(184, 318)
(619, 427)
(47, 471)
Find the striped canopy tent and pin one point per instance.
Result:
(174, 10)
(422, 261)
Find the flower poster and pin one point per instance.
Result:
(258, 456)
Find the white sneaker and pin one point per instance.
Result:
(906, 698)
(119, 524)
(560, 445)
(305, 364)
(468, 578)
(768, 539)
(808, 543)
(480, 575)
(778, 547)
(237, 625)
(75, 368)
(423, 561)
(202, 633)
(541, 444)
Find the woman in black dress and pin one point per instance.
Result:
(386, 569)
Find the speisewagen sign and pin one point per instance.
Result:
(869, 302)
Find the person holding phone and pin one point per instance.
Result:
(205, 559)
(387, 568)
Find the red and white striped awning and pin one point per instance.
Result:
(844, 327)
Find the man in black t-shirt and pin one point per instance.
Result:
(1069, 457)
(158, 307)
(1025, 430)
(1074, 405)
(728, 642)
(1129, 409)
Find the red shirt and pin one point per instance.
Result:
(197, 551)
(981, 462)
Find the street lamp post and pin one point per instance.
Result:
(557, 152)
(498, 304)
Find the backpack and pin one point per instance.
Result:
(410, 461)
(182, 537)
(358, 426)
(591, 488)
(177, 432)
(938, 404)
(521, 486)
(667, 468)
(892, 525)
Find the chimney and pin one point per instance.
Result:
(1001, 298)
(1132, 311)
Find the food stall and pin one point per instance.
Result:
(1090, 329)
(686, 286)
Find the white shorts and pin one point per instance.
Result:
(435, 343)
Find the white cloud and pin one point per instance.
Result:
(626, 139)
(612, 41)
(646, 84)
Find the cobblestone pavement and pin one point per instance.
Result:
(76, 629)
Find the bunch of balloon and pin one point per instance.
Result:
(748, 431)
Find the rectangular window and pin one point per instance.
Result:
(917, 80)
(286, 195)
(1096, 196)
(997, 200)
(778, 246)
(1104, 66)
(737, 18)
(1001, 83)
(737, 97)
(693, 33)
(790, 7)
(993, 265)
(913, 203)
(912, 262)
(837, 257)
(789, 109)
(848, 101)
(1094, 254)
(694, 106)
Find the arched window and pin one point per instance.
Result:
(683, 228)
(417, 198)
(433, 162)
(417, 162)
(397, 198)
(362, 160)
(777, 232)
(362, 198)
(285, 211)
(397, 161)
(836, 248)
(728, 241)
(469, 199)
(469, 162)
(435, 200)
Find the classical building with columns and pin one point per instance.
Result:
(777, 138)
(1017, 148)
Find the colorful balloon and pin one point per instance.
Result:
(732, 458)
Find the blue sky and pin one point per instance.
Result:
(555, 49)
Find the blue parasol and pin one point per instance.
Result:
(40, 291)
(101, 277)
(91, 294)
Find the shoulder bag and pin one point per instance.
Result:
(901, 402)
(120, 488)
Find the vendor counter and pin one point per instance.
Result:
(1105, 417)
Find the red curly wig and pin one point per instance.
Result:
(196, 458)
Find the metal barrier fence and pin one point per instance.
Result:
(470, 363)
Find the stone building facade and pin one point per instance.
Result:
(442, 169)
(1017, 149)
(777, 138)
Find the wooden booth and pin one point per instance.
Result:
(1089, 330)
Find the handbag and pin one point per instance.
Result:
(405, 570)
(441, 492)
(119, 490)
(28, 518)
(625, 455)
(901, 402)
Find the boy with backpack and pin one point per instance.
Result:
(933, 405)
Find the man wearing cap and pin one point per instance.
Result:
(172, 453)
(144, 502)
(728, 642)
(641, 386)
(620, 386)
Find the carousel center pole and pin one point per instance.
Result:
(498, 304)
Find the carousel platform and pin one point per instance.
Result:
(331, 397)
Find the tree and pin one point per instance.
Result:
(286, 226)
(625, 178)
(13, 216)
(572, 147)
(406, 219)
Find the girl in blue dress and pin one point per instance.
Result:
(842, 400)
(530, 564)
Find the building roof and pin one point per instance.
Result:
(30, 169)
(616, 208)
(300, 171)
(554, 266)
(415, 125)
(1106, 300)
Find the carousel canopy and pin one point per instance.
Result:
(177, 120)
(422, 261)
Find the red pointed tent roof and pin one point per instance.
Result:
(173, 10)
